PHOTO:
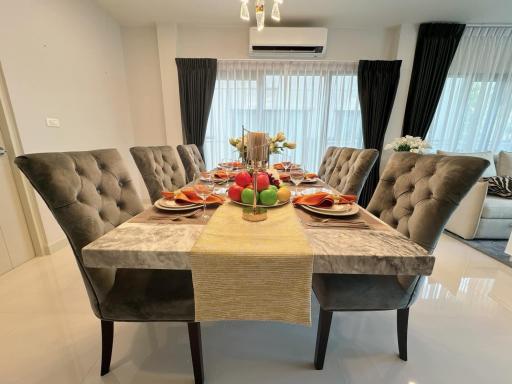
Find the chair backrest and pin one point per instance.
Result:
(192, 160)
(417, 193)
(89, 193)
(351, 170)
(161, 169)
(328, 162)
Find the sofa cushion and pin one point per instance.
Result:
(497, 208)
(491, 169)
(504, 165)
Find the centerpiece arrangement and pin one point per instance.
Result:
(408, 144)
(276, 144)
(269, 190)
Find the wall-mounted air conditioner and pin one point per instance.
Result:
(287, 42)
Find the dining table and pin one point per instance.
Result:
(150, 241)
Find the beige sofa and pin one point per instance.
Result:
(479, 215)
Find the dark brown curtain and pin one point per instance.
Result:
(377, 82)
(435, 48)
(196, 78)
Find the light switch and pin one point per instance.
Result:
(52, 122)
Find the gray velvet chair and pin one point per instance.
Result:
(192, 160)
(161, 169)
(351, 170)
(416, 195)
(328, 163)
(89, 194)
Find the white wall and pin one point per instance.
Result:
(64, 58)
(232, 43)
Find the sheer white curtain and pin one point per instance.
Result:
(315, 103)
(475, 110)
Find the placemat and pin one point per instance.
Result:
(355, 221)
(252, 270)
(156, 216)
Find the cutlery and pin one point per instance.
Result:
(175, 217)
(338, 225)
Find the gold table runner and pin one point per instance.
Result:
(252, 270)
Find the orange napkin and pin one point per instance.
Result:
(323, 199)
(311, 176)
(279, 166)
(222, 175)
(284, 176)
(188, 195)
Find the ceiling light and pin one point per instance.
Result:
(259, 8)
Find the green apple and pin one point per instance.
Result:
(248, 196)
(274, 187)
(268, 196)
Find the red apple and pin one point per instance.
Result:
(263, 181)
(243, 178)
(235, 192)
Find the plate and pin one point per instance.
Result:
(335, 210)
(278, 204)
(309, 181)
(171, 205)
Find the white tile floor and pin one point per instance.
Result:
(460, 332)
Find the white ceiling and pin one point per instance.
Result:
(330, 13)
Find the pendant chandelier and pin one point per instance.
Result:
(259, 6)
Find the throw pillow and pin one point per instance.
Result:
(504, 164)
(500, 186)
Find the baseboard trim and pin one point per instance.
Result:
(55, 246)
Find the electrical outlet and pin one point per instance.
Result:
(52, 122)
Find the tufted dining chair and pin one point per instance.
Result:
(328, 162)
(351, 170)
(90, 193)
(416, 195)
(192, 160)
(161, 169)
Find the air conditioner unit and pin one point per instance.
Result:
(287, 42)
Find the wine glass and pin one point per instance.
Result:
(296, 177)
(287, 164)
(204, 187)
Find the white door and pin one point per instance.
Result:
(15, 244)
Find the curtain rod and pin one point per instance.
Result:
(489, 25)
(291, 60)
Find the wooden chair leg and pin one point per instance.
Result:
(194, 335)
(402, 320)
(322, 337)
(107, 340)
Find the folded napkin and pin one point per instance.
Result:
(310, 176)
(188, 195)
(223, 175)
(284, 176)
(279, 166)
(323, 199)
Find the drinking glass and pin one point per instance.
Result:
(296, 177)
(287, 164)
(204, 187)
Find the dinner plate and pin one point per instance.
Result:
(335, 210)
(216, 180)
(309, 181)
(278, 204)
(171, 205)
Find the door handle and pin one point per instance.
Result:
(2, 151)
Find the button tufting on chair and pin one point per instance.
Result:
(161, 169)
(351, 169)
(192, 160)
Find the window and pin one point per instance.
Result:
(475, 110)
(314, 103)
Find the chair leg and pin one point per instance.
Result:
(402, 321)
(194, 335)
(322, 337)
(107, 339)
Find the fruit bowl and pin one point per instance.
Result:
(277, 204)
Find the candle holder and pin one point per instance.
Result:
(257, 155)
